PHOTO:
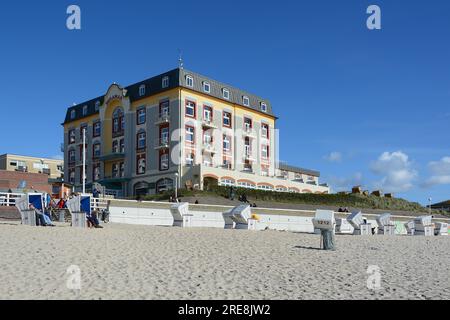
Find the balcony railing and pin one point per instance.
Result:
(208, 123)
(249, 131)
(163, 118)
(162, 143)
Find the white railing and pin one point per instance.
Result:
(9, 199)
(100, 203)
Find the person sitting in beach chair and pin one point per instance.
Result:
(93, 221)
(41, 218)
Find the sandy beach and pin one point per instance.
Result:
(143, 262)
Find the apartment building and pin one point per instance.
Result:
(51, 167)
(178, 129)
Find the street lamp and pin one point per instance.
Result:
(429, 205)
(176, 186)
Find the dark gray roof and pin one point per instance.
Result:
(236, 95)
(177, 78)
(287, 167)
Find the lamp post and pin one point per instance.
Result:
(429, 205)
(84, 160)
(176, 186)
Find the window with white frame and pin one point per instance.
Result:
(115, 170)
(190, 109)
(141, 115)
(226, 144)
(265, 171)
(141, 140)
(265, 151)
(227, 119)
(85, 110)
(190, 134)
(96, 131)
(141, 164)
(142, 90)
(72, 176)
(263, 107)
(165, 82)
(72, 156)
(97, 150)
(190, 158)
(245, 184)
(72, 114)
(226, 93)
(265, 130)
(207, 113)
(226, 182)
(96, 172)
(265, 187)
(246, 101)
(164, 161)
(281, 189)
(206, 87)
(72, 136)
(293, 190)
(189, 81)
(164, 134)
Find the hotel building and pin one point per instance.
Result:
(178, 129)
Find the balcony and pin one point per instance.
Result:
(112, 156)
(163, 118)
(162, 143)
(208, 147)
(248, 154)
(249, 132)
(248, 169)
(208, 123)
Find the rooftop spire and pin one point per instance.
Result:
(180, 59)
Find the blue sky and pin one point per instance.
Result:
(363, 107)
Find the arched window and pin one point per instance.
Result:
(118, 122)
(164, 185)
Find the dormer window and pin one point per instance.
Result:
(165, 82)
(206, 87)
(142, 90)
(226, 94)
(97, 106)
(263, 107)
(72, 114)
(85, 110)
(246, 101)
(190, 81)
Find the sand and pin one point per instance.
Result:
(143, 262)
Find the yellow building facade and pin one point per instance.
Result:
(178, 129)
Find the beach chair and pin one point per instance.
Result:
(360, 227)
(441, 229)
(180, 214)
(79, 207)
(423, 226)
(385, 225)
(229, 223)
(242, 217)
(27, 215)
(324, 222)
(343, 226)
(410, 228)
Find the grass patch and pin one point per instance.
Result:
(337, 200)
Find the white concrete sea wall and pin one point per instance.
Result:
(141, 213)
(211, 216)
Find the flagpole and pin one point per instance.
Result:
(84, 160)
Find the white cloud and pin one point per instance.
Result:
(345, 184)
(334, 157)
(395, 169)
(440, 172)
